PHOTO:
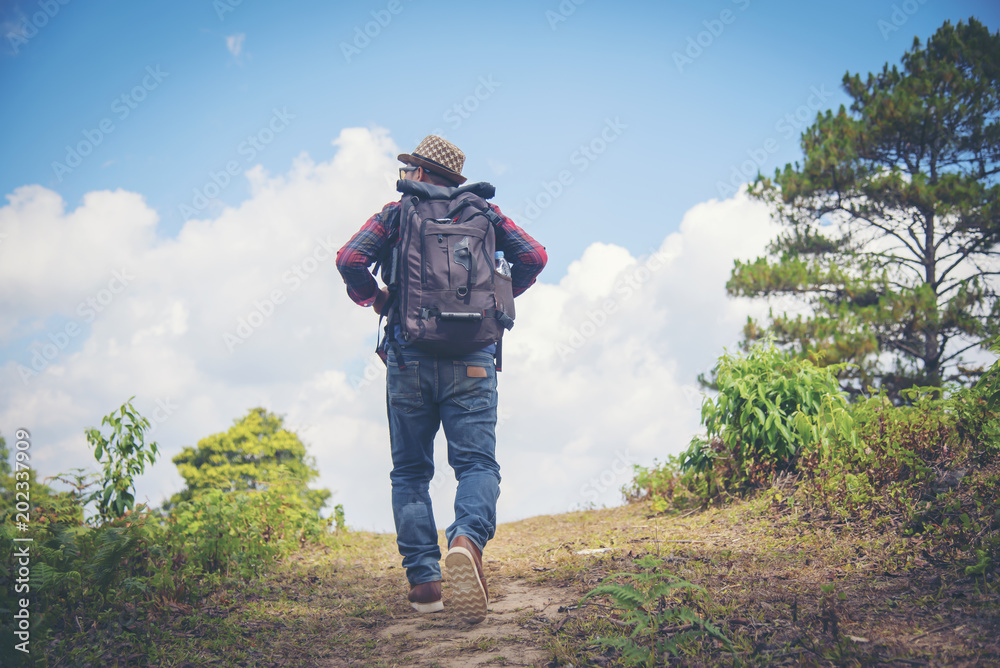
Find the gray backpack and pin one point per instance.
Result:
(446, 295)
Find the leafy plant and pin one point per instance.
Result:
(242, 530)
(123, 454)
(769, 407)
(647, 600)
(989, 383)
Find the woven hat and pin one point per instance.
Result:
(439, 156)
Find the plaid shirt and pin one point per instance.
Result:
(526, 255)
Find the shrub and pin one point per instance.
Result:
(769, 408)
(123, 455)
(242, 530)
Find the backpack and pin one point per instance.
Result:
(446, 295)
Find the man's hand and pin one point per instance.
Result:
(380, 300)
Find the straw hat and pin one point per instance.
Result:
(439, 156)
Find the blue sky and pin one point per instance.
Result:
(613, 132)
(556, 80)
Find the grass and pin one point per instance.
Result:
(783, 589)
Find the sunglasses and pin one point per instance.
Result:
(407, 168)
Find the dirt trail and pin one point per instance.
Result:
(509, 636)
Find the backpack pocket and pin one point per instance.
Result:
(454, 262)
(503, 291)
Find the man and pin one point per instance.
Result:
(425, 391)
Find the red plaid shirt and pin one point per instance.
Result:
(526, 255)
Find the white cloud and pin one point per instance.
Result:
(599, 371)
(235, 44)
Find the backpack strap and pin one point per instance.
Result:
(391, 224)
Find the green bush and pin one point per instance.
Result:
(769, 408)
(128, 560)
(242, 530)
(989, 383)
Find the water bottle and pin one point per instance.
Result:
(503, 267)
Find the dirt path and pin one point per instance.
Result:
(784, 592)
(509, 636)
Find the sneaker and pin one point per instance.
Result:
(426, 597)
(468, 594)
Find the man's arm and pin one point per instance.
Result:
(358, 254)
(527, 256)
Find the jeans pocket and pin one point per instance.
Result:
(404, 387)
(475, 386)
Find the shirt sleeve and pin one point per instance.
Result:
(527, 256)
(364, 248)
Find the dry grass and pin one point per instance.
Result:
(764, 571)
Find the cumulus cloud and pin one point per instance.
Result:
(246, 308)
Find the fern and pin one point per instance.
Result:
(644, 601)
(116, 542)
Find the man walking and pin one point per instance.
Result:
(428, 387)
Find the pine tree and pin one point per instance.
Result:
(892, 221)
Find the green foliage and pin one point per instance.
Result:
(339, 518)
(930, 467)
(650, 601)
(255, 452)
(123, 455)
(892, 221)
(243, 530)
(86, 575)
(769, 408)
(989, 383)
(4, 455)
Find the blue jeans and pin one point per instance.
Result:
(460, 394)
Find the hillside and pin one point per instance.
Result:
(783, 589)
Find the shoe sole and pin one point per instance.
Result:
(424, 608)
(467, 597)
